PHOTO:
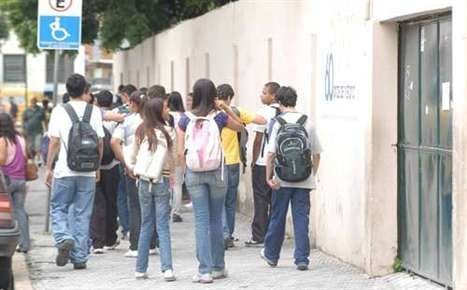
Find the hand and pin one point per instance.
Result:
(171, 180)
(48, 178)
(98, 176)
(273, 183)
(221, 105)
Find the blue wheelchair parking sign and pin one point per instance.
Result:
(59, 32)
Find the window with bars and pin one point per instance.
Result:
(14, 68)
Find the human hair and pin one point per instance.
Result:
(76, 86)
(128, 89)
(157, 91)
(225, 92)
(144, 90)
(287, 96)
(272, 87)
(65, 98)
(204, 97)
(176, 102)
(104, 99)
(153, 119)
(7, 129)
(120, 88)
(33, 101)
(137, 97)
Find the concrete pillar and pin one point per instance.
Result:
(459, 37)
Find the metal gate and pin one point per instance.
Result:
(425, 148)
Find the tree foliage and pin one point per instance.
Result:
(3, 27)
(112, 21)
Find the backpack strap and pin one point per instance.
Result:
(302, 120)
(281, 120)
(71, 113)
(236, 111)
(87, 113)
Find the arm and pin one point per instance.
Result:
(272, 182)
(3, 151)
(181, 145)
(54, 147)
(116, 145)
(257, 147)
(113, 116)
(259, 120)
(316, 161)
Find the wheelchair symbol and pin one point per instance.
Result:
(58, 33)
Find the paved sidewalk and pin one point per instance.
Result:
(246, 269)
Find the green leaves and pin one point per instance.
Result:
(3, 27)
(112, 21)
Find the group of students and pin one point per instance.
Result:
(154, 147)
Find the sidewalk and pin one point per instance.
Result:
(246, 269)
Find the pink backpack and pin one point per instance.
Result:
(203, 143)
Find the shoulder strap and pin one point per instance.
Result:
(281, 120)
(71, 113)
(302, 120)
(236, 111)
(87, 113)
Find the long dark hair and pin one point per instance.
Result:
(7, 128)
(153, 119)
(204, 97)
(176, 102)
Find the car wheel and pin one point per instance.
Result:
(12, 282)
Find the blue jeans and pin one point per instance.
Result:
(77, 192)
(300, 200)
(122, 203)
(207, 191)
(17, 190)
(155, 204)
(228, 219)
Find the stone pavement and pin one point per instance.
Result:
(247, 271)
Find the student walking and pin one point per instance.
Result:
(154, 147)
(293, 157)
(13, 166)
(76, 132)
(33, 125)
(200, 145)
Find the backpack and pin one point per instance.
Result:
(107, 155)
(83, 143)
(293, 152)
(203, 143)
(266, 132)
(242, 137)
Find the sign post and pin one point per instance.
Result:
(58, 28)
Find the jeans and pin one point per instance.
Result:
(104, 224)
(155, 205)
(17, 190)
(207, 191)
(228, 219)
(262, 203)
(300, 200)
(122, 202)
(77, 192)
(178, 189)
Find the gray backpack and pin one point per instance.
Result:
(242, 137)
(83, 143)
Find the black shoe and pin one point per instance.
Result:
(79, 266)
(254, 244)
(176, 218)
(228, 243)
(302, 267)
(64, 252)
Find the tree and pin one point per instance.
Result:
(113, 21)
(3, 27)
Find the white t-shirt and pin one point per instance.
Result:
(267, 112)
(59, 127)
(315, 147)
(126, 132)
(110, 126)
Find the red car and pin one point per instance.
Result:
(9, 234)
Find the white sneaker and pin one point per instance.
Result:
(220, 274)
(98, 251)
(131, 254)
(153, 252)
(169, 275)
(202, 278)
(140, 276)
(113, 247)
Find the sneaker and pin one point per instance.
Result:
(254, 244)
(228, 243)
(176, 218)
(153, 252)
(169, 275)
(220, 274)
(113, 247)
(64, 249)
(98, 251)
(123, 236)
(202, 278)
(141, 276)
(271, 263)
(79, 266)
(131, 254)
(302, 267)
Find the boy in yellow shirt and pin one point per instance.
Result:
(232, 152)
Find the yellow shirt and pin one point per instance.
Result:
(230, 140)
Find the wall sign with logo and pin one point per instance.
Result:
(332, 90)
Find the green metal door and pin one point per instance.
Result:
(425, 148)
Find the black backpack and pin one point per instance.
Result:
(107, 155)
(242, 137)
(83, 143)
(293, 152)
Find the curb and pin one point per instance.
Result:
(21, 272)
